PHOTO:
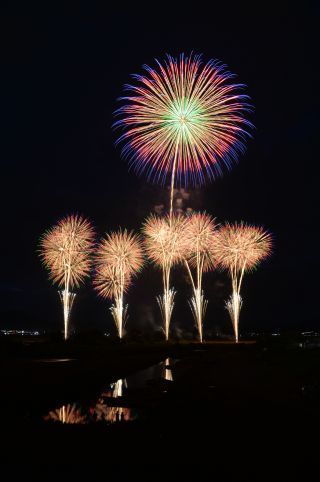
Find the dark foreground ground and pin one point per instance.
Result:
(245, 412)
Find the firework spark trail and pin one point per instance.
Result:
(233, 305)
(162, 246)
(65, 251)
(239, 248)
(67, 300)
(119, 257)
(120, 314)
(196, 245)
(185, 118)
(166, 304)
(198, 305)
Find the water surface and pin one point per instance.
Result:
(113, 403)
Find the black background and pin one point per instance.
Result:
(61, 76)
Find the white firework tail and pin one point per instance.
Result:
(120, 315)
(67, 299)
(166, 304)
(233, 305)
(198, 305)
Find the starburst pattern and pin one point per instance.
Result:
(198, 240)
(65, 250)
(184, 117)
(241, 246)
(161, 239)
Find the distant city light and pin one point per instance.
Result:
(310, 333)
(20, 332)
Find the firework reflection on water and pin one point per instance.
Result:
(69, 414)
(108, 407)
(167, 371)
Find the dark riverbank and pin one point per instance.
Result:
(250, 407)
(36, 374)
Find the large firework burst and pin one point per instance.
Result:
(65, 251)
(239, 248)
(184, 118)
(119, 257)
(162, 246)
(196, 246)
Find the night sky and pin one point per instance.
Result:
(61, 76)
